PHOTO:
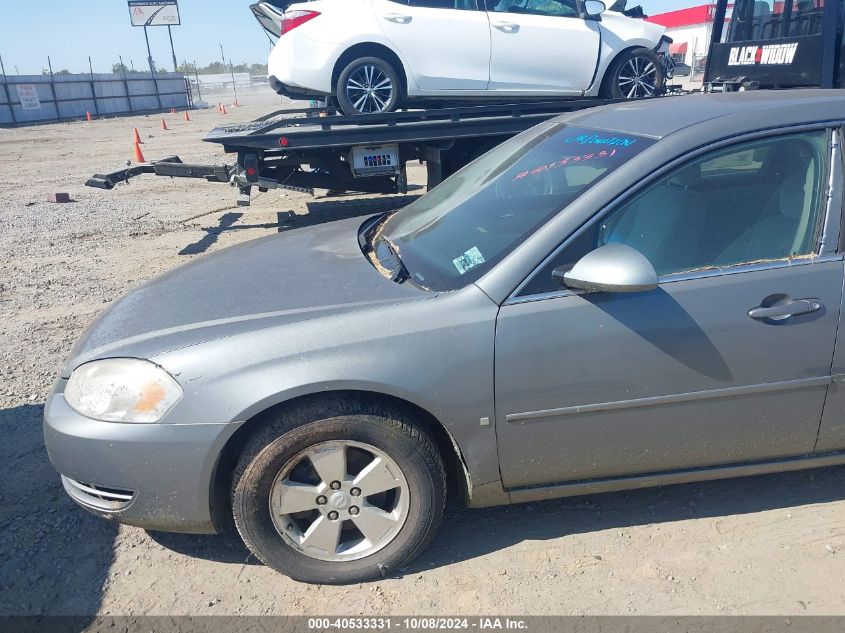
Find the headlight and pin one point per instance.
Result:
(122, 390)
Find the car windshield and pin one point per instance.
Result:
(450, 237)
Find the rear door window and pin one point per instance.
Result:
(460, 5)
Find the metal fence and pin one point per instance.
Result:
(34, 98)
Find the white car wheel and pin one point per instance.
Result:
(367, 86)
(635, 74)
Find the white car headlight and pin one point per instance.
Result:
(122, 390)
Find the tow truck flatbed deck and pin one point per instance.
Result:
(308, 131)
(304, 149)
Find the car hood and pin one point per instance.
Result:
(618, 28)
(302, 274)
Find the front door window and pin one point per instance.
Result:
(756, 202)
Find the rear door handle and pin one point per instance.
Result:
(506, 27)
(397, 17)
(786, 310)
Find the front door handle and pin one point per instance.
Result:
(506, 27)
(785, 310)
(397, 17)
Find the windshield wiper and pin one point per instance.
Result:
(368, 232)
(370, 239)
(400, 273)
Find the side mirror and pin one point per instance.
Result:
(594, 8)
(609, 268)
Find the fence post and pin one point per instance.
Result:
(6, 90)
(93, 87)
(53, 90)
(197, 76)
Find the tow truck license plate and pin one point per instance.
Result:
(375, 160)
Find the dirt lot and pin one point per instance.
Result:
(766, 545)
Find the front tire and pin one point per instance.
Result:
(338, 494)
(634, 74)
(368, 85)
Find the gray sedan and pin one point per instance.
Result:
(642, 294)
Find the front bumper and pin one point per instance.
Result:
(155, 476)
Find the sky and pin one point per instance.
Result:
(71, 30)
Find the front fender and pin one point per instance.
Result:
(619, 34)
(435, 353)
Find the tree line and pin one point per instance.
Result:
(187, 68)
(214, 68)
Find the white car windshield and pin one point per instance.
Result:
(451, 236)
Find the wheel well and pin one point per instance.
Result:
(370, 49)
(338, 402)
(610, 64)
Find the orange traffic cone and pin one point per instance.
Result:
(136, 138)
(163, 124)
(224, 110)
(88, 116)
(139, 156)
(187, 116)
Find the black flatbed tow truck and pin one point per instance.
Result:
(754, 44)
(776, 45)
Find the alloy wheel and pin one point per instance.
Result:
(369, 89)
(637, 78)
(339, 500)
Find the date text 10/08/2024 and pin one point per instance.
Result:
(418, 624)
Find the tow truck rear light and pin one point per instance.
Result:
(293, 19)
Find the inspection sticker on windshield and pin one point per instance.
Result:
(468, 260)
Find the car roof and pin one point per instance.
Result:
(736, 111)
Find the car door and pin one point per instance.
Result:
(541, 46)
(727, 361)
(446, 43)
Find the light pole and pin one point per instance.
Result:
(234, 87)
(231, 70)
(152, 67)
(172, 50)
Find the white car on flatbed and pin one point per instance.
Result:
(378, 55)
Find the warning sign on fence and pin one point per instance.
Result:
(28, 94)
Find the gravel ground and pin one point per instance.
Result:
(765, 545)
